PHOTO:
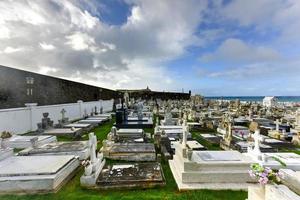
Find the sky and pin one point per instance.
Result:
(213, 48)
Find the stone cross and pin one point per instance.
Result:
(184, 134)
(63, 111)
(277, 125)
(93, 147)
(256, 149)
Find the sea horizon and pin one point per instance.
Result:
(254, 98)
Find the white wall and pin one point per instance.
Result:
(22, 120)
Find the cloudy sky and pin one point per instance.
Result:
(220, 47)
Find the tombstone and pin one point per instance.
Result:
(227, 138)
(96, 111)
(126, 99)
(64, 120)
(140, 111)
(45, 124)
(255, 151)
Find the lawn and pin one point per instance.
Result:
(73, 191)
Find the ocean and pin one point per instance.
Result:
(292, 99)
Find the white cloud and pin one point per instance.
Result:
(9, 50)
(236, 51)
(46, 70)
(85, 48)
(46, 46)
(80, 41)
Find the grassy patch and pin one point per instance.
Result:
(73, 191)
(207, 144)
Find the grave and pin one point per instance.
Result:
(280, 132)
(102, 118)
(211, 138)
(128, 151)
(271, 192)
(85, 127)
(45, 124)
(275, 143)
(69, 132)
(123, 121)
(209, 169)
(93, 166)
(242, 146)
(194, 145)
(76, 148)
(22, 142)
(94, 122)
(289, 189)
(32, 174)
(226, 143)
(272, 160)
(131, 175)
(64, 120)
(130, 134)
(214, 170)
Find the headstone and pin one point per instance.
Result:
(45, 124)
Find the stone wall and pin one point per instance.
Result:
(18, 87)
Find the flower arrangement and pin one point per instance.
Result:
(265, 175)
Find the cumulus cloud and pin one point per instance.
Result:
(63, 38)
(237, 51)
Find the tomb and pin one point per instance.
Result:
(22, 142)
(209, 169)
(128, 151)
(271, 192)
(131, 175)
(64, 120)
(226, 143)
(32, 174)
(69, 132)
(194, 145)
(280, 132)
(123, 121)
(45, 124)
(130, 135)
(272, 160)
(211, 138)
(242, 146)
(289, 189)
(102, 118)
(76, 148)
(92, 167)
(85, 127)
(94, 122)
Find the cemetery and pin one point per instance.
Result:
(168, 158)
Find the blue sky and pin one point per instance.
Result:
(215, 48)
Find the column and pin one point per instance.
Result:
(32, 108)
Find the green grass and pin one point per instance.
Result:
(207, 144)
(73, 191)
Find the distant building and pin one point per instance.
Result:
(269, 102)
